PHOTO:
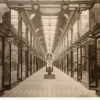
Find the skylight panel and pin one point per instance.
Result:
(49, 27)
(49, 22)
(49, 32)
(49, 17)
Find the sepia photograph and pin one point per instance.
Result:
(49, 49)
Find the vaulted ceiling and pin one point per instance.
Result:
(49, 17)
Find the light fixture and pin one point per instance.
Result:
(66, 16)
(37, 30)
(9, 38)
(32, 16)
(91, 39)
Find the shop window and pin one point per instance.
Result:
(6, 63)
(1, 62)
(14, 62)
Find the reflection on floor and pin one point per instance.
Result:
(37, 86)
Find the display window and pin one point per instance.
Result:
(98, 65)
(79, 64)
(1, 61)
(20, 62)
(75, 63)
(14, 63)
(6, 63)
(92, 63)
(85, 63)
(65, 67)
(23, 64)
(69, 63)
(28, 63)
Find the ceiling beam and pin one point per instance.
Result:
(49, 2)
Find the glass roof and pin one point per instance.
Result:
(50, 10)
(85, 21)
(14, 19)
(49, 26)
(50, 23)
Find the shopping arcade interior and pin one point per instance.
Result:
(67, 29)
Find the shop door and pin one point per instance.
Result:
(1, 64)
(98, 64)
(79, 66)
(92, 75)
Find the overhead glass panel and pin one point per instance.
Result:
(49, 27)
(23, 29)
(85, 21)
(49, 32)
(73, 5)
(49, 17)
(50, 10)
(14, 20)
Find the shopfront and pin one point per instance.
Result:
(1, 65)
(29, 64)
(65, 68)
(69, 63)
(79, 63)
(88, 65)
(75, 63)
(98, 65)
(10, 65)
(85, 64)
(14, 63)
(22, 65)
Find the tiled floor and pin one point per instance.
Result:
(37, 86)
